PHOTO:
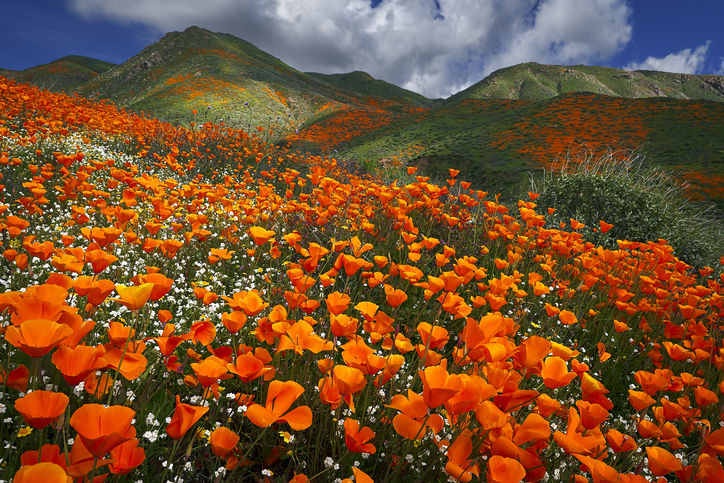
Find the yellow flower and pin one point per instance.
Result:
(25, 431)
(285, 435)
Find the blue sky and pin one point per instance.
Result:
(434, 47)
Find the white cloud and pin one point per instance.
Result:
(721, 68)
(682, 62)
(432, 47)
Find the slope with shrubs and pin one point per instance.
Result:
(496, 143)
(198, 305)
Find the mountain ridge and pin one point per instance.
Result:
(514, 122)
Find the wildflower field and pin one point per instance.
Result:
(194, 304)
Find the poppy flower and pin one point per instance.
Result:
(161, 284)
(504, 470)
(210, 370)
(184, 416)
(436, 336)
(50, 453)
(458, 466)
(40, 408)
(45, 472)
(126, 456)
(300, 337)
(567, 317)
(260, 235)
(17, 378)
(394, 296)
(280, 397)
(359, 477)
(249, 302)
(601, 472)
(233, 321)
(248, 367)
(661, 462)
(555, 372)
(134, 297)
(337, 302)
(223, 441)
(533, 428)
(37, 337)
(413, 413)
(620, 442)
(103, 428)
(76, 363)
(99, 260)
(438, 386)
(357, 439)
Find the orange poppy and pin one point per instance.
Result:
(260, 235)
(394, 296)
(37, 337)
(555, 372)
(103, 428)
(458, 466)
(533, 428)
(76, 363)
(504, 470)
(661, 462)
(619, 442)
(413, 413)
(567, 317)
(50, 453)
(126, 456)
(300, 337)
(280, 397)
(45, 472)
(233, 321)
(435, 336)
(600, 471)
(134, 297)
(40, 408)
(250, 302)
(210, 370)
(17, 378)
(248, 367)
(223, 441)
(343, 325)
(438, 386)
(357, 439)
(184, 416)
(337, 302)
(161, 284)
(99, 260)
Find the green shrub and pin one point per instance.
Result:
(643, 202)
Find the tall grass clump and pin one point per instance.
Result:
(642, 201)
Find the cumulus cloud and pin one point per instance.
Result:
(683, 62)
(434, 47)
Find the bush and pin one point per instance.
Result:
(643, 202)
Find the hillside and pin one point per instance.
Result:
(366, 85)
(65, 74)
(535, 82)
(224, 78)
(515, 122)
(497, 143)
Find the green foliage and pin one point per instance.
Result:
(642, 201)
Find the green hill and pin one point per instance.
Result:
(65, 74)
(366, 85)
(513, 123)
(535, 82)
(497, 143)
(224, 78)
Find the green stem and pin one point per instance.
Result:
(170, 460)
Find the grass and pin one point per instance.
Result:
(334, 324)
